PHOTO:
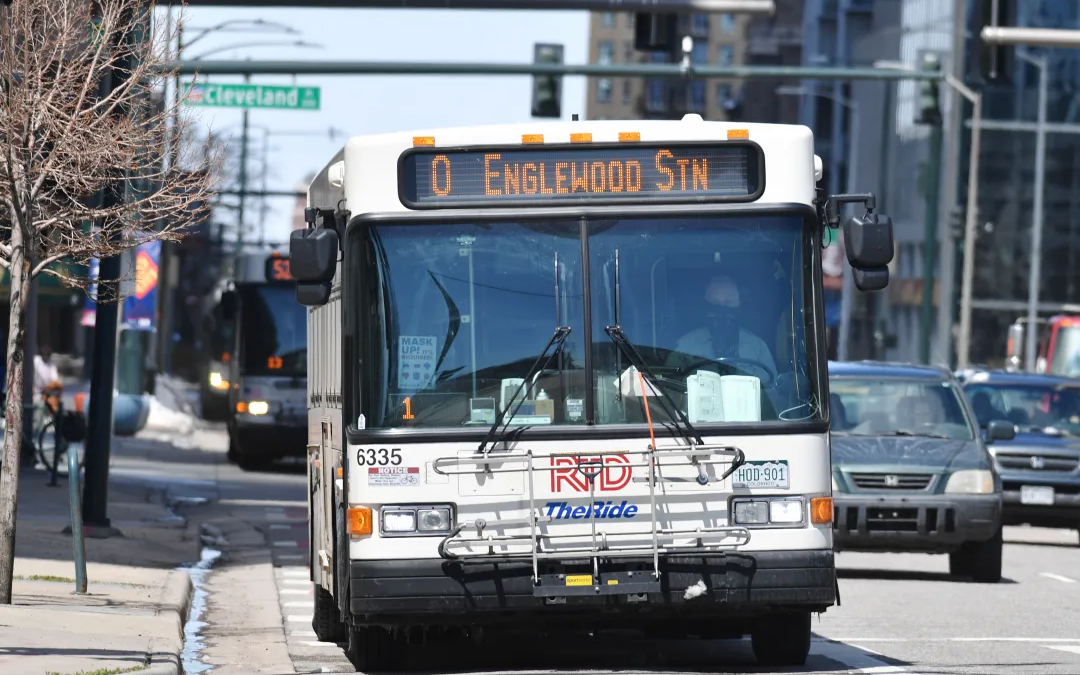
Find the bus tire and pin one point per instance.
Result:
(326, 620)
(374, 648)
(782, 639)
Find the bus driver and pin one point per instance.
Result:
(716, 339)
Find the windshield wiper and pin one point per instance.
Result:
(689, 434)
(558, 338)
(905, 432)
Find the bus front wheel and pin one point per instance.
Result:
(374, 648)
(782, 639)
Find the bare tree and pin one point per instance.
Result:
(82, 170)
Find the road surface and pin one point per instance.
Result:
(899, 613)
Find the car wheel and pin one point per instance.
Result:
(960, 563)
(782, 639)
(986, 559)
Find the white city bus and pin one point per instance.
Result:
(268, 364)
(572, 375)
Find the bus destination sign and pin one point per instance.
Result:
(277, 269)
(676, 172)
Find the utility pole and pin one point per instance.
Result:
(243, 178)
(1035, 273)
(930, 114)
(106, 334)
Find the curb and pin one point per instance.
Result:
(175, 599)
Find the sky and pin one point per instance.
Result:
(357, 105)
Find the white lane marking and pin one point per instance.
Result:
(298, 618)
(287, 544)
(295, 591)
(300, 604)
(290, 557)
(1057, 577)
(315, 643)
(1073, 649)
(857, 658)
(958, 639)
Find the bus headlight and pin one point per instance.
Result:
(258, 407)
(218, 382)
(404, 521)
(765, 511)
(970, 482)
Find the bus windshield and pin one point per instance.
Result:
(466, 309)
(273, 331)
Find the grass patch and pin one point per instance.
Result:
(46, 577)
(68, 580)
(103, 671)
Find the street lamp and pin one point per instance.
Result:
(848, 289)
(297, 43)
(963, 343)
(1035, 273)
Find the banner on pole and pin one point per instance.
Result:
(140, 304)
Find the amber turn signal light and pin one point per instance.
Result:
(359, 520)
(821, 510)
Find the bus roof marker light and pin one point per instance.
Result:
(628, 136)
(419, 141)
(532, 138)
(736, 134)
(581, 138)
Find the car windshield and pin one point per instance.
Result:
(459, 313)
(896, 407)
(1029, 406)
(273, 331)
(1066, 355)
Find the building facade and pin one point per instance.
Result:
(1007, 183)
(719, 39)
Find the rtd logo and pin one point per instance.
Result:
(610, 472)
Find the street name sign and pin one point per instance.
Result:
(253, 96)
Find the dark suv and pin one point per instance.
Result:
(910, 471)
(1040, 467)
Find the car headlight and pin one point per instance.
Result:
(217, 381)
(970, 482)
(757, 511)
(258, 407)
(405, 521)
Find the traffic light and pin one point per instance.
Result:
(655, 32)
(547, 89)
(996, 62)
(930, 93)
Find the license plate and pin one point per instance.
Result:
(1031, 494)
(769, 474)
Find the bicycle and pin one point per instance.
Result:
(44, 440)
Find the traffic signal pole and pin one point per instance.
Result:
(930, 114)
(251, 68)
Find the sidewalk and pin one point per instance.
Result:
(133, 613)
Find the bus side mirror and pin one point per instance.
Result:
(313, 294)
(868, 243)
(228, 306)
(1000, 430)
(313, 255)
(873, 279)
